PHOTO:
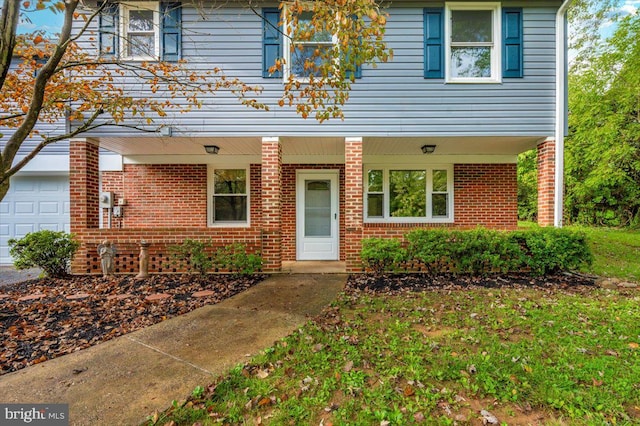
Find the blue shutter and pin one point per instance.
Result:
(108, 29)
(512, 54)
(434, 43)
(171, 33)
(358, 71)
(271, 41)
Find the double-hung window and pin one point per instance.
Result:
(140, 29)
(306, 50)
(409, 194)
(228, 197)
(473, 51)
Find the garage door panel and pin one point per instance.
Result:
(23, 208)
(23, 185)
(49, 207)
(50, 227)
(33, 203)
(23, 229)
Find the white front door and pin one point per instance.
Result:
(317, 231)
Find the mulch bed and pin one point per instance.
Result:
(398, 283)
(46, 318)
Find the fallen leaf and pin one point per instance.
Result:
(408, 391)
(488, 418)
(634, 345)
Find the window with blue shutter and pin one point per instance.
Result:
(271, 41)
(434, 43)
(171, 36)
(108, 26)
(512, 54)
(357, 73)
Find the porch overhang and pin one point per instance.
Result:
(307, 149)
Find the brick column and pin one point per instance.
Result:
(546, 181)
(84, 181)
(353, 202)
(271, 204)
(84, 188)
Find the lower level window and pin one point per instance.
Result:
(229, 196)
(420, 194)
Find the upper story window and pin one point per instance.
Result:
(140, 29)
(473, 51)
(473, 43)
(409, 194)
(306, 50)
(228, 197)
(143, 31)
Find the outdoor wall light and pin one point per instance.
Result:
(428, 149)
(212, 149)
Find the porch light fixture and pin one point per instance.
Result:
(212, 149)
(428, 149)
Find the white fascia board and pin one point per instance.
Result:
(440, 159)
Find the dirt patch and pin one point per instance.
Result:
(58, 321)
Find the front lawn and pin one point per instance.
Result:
(616, 252)
(556, 350)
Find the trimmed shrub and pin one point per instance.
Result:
(192, 256)
(382, 254)
(50, 251)
(234, 258)
(482, 251)
(477, 251)
(434, 248)
(549, 250)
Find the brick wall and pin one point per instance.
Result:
(546, 182)
(159, 195)
(487, 195)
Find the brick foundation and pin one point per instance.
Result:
(546, 182)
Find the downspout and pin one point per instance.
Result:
(561, 111)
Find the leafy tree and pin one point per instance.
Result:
(527, 186)
(49, 80)
(603, 150)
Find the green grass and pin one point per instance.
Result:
(524, 354)
(616, 252)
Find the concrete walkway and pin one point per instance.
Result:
(125, 379)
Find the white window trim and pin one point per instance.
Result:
(124, 18)
(288, 42)
(496, 50)
(211, 168)
(387, 218)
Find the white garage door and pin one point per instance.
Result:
(33, 203)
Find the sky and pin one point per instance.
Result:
(50, 22)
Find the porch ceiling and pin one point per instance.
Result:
(306, 146)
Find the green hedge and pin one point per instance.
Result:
(480, 251)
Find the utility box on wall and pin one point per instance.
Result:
(106, 200)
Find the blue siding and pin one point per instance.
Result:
(393, 99)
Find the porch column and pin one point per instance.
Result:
(546, 182)
(271, 204)
(353, 203)
(84, 189)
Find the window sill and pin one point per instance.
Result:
(229, 225)
(408, 221)
(473, 81)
